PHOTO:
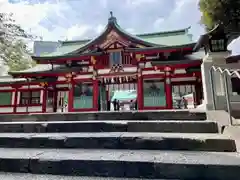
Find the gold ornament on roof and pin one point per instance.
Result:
(43, 84)
(139, 57)
(140, 46)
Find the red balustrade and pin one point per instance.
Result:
(103, 62)
(127, 60)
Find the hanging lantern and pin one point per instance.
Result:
(69, 62)
(139, 57)
(167, 69)
(68, 77)
(43, 84)
(93, 60)
(218, 39)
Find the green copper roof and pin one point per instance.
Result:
(169, 38)
(66, 48)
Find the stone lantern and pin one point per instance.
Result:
(217, 40)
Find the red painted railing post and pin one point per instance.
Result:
(44, 100)
(15, 100)
(140, 91)
(168, 88)
(70, 96)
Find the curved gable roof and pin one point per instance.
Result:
(113, 25)
(159, 39)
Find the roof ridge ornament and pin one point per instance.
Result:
(112, 19)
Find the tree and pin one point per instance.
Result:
(221, 11)
(15, 55)
(13, 51)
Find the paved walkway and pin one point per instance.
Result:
(11, 176)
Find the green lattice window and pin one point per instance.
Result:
(5, 98)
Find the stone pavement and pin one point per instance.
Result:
(22, 176)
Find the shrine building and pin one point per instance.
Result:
(155, 70)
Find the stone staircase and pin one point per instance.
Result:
(111, 145)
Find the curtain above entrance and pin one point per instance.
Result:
(125, 95)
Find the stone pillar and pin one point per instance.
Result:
(218, 83)
(206, 82)
(218, 60)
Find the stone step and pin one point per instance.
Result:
(120, 140)
(122, 163)
(110, 126)
(129, 115)
(25, 176)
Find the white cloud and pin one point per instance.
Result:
(30, 16)
(99, 28)
(64, 19)
(158, 23)
(77, 31)
(140, 2)
(131, 30)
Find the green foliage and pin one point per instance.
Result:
(15, 55)
(13, 50)
(221, 11)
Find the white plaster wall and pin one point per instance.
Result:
(30, 109)
(49, 109)
(183, 79)
(6, 109)
(152, 72)
(6, 88)
(30, 87)
(84, 76)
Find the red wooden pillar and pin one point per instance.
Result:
(44, 100)
(95, 83)
(95, 94)
(140, 91)
(70, 96)
(15, 100)
(168, 88)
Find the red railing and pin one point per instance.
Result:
(127, 59)
(103, 61)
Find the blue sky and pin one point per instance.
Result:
(81, 19)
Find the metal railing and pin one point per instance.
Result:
(225, 72)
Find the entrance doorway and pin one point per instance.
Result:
(123, 90)
(191, 92)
